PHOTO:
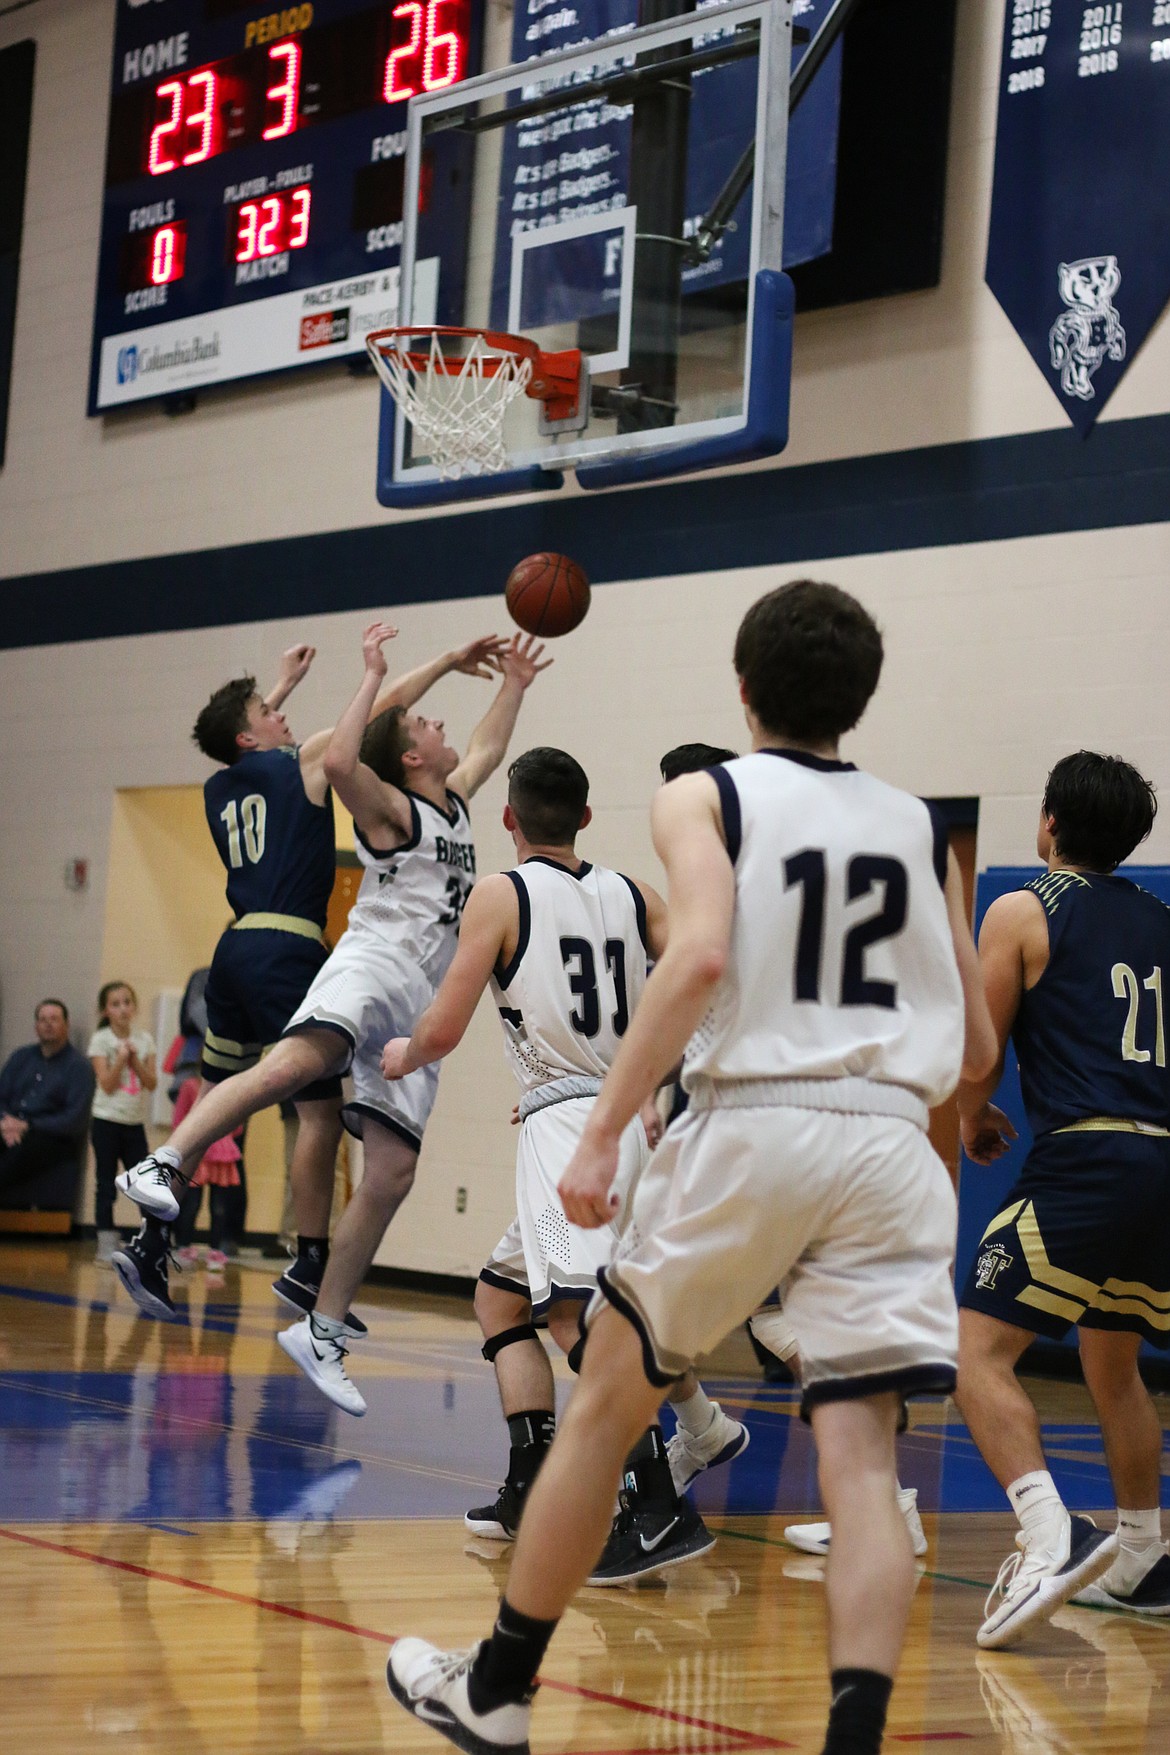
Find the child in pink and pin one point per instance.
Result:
(218, 1169)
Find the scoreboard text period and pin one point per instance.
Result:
(253, 189)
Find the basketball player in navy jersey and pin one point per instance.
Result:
(1076, 966)
(565, 947)
(270, 813)
(821, 978)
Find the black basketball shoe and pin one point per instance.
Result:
(650, 1539)
(141, 1265)
(500, 1521)
(298, 1287)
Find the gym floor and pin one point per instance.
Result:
(198, 1553)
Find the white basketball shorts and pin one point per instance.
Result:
(852, 1215)
(366, 993)
(541, 1256)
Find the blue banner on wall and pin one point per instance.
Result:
(722, 110)
(1079, 250)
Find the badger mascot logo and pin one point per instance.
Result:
(1090, 330)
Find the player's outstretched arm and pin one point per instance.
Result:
(294, 667)
(489, 929)
(520, 662)
(478, 658)
(1014, 935)
(688, 833)
(378, 809)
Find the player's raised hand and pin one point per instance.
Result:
(479, 657)
(987, 1134)
(520, 658)
(586, 1186)
(294, 664)
(394, 1058)
(373, 640)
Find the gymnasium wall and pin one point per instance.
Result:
(1019, 574)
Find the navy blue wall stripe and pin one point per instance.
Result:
(1030, 484)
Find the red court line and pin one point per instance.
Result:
(743, 1739)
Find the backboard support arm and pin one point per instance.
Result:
(717, 218)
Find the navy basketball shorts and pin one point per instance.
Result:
(1083, 1237)
(258, 979)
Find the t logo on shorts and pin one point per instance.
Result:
(990, 1265)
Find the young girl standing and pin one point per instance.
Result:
(124, 1060)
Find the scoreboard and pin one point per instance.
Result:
(252, 216)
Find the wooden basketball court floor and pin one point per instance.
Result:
(197, 1553)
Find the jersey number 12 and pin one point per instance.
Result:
(863, 874)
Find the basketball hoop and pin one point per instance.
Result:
(456, 391)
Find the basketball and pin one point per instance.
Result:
(547, 595)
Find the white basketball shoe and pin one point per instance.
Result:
(688, 1456)
(322, 1359)
(149, 1184)
(1034, 1581)
(432, 1685)
(813, 1538)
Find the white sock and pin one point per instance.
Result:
(326, 1328)
(1039, 1508)
(167, 1155)
(1139, 1530)
(696, 1413)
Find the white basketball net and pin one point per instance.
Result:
(455, 408)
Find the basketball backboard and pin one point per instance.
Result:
(627, 201)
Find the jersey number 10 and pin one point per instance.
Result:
(252, 816)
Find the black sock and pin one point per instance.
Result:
(529, 1435)
(857, 1716)
(646, 1481)
(313, 1252)
(507, 1663)
(155, 1234)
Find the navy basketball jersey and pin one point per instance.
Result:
(276, 844)
(1091, 1034)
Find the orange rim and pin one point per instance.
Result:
(555, 380)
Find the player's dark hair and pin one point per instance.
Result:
(59, 1003)
(223, 718)
(548, 792)
(1102, 806)
(692, 758)
(809, 657)
(104, 998)
(385, 741)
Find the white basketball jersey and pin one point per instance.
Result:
(842, 963)
(567, 995)
(414, 896)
